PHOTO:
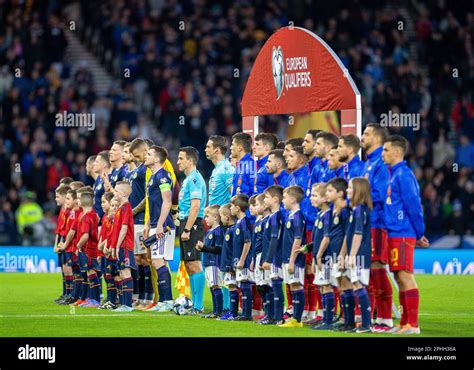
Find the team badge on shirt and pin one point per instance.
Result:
(288, 224)
(320, 226)
(163, 180)
(227, 237)
(237, 231)
(210, 236)
(336, 220)
(308, 193)
(350, 219)
(150, 183)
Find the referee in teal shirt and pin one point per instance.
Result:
(192, 201)
(220, 182)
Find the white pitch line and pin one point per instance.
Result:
(460, 314)
(86, 315)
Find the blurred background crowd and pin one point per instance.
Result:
(178, 70)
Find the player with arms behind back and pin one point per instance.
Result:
(403, 218)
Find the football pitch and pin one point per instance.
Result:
(27, 310)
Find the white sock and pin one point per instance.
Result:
(388, 322)
(311, 315)
(305, 313)
(320, 313)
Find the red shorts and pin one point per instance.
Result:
(402, 252)
(379, 245)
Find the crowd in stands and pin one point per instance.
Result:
(188, 63)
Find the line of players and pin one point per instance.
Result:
(355, 243)
(100, 229)
(320, 157)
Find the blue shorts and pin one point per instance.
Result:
(87, 263)
(126, 259)
(103, 264)
(61, 258)
(70, 258)
(112, 267)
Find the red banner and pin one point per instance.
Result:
(297, 72)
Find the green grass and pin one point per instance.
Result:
(27, 310)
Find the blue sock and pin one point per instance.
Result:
(344, 307)
(127, 291)
(350, 304)
(234, 302)
(85, 286)
(213, 295)
(279, 299)
(329, 307)
(270, 302)
(191, 287)
(77, 286)
(111, 288)
(218, 297)
(199, 285)
(140, 287)
(364, 304)
(247, 299)
(148, 285)
(323, 301)
(298, 304)
(226, 298)
(64, 283)
(135, 277)
(119, 284)
(164, 282)
(94, 292)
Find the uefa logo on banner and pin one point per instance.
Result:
(278, 69)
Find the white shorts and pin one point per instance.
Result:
(358, 275)
(297, 277)
(262, 277)
(229, 279)
(213, 276)
(138, 248)
(325, 276)
(164, 247)
(244, 275)
(276, 272)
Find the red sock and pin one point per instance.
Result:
(386, 296)
(306, 294)
(357, 308)
(371, 291)
(412, 301)
(312, 297)
(289, 297)
(337, 302)
(401, 297)
(319, 298)
(256, 299)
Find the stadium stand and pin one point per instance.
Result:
(183, 58)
